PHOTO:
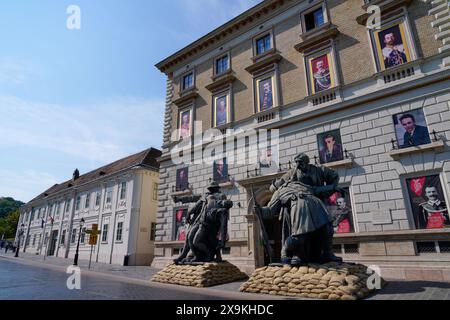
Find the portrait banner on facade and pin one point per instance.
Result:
(330, 146)
(321, 73)
(265, 94)
(182, 181)
(428, 204)
(392, 46)
(340, 207)
(181, 224)
(185, 123)
(411, 129)
(220, 171)
(221, 110)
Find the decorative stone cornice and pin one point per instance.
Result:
(186, 97)
(437, 146)
(232, 27)
(221, 82)
(385, 6)
(314, 37)
(262, 63)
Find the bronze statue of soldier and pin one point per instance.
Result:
(208, 226)
(307, 226)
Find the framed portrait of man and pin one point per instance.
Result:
(180, 224)
(185, 123)
(268, 160)
(428, 203)
(321, 73)
(220, 171)
(411, 129)
(340, 208)
(265, 92)
(330, 146)
(182, 182)
(221, 110)
(392, 46)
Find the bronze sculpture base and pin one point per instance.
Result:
(200, 274)
(330, 281)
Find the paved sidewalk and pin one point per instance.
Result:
(395, 290)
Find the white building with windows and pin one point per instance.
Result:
(120, 198)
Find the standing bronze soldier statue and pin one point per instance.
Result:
(208, 226)
(307, 226)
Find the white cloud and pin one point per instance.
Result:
(100, 132)
(14, 72)
(24, 185)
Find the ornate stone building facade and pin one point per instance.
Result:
(373, 104)
(121, 198)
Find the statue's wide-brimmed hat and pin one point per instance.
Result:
(213, 186)
(302, 157)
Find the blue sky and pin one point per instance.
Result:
(83, 98)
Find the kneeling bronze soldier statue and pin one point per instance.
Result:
(307, 226)
(208, 226)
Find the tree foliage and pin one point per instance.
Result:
(8, 205)
(8, 224)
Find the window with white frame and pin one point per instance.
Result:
(119, 231)
(83, 235)
(123, 190)
(87, 201)
(109, 193)
(73, 236)
(98, 197)
(105, 233)
(63, 237)
(77, 203)
(67, 206)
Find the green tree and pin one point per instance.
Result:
(8, 205)
(8, 224)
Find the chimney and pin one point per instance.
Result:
(76, 175)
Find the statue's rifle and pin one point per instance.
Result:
(265, 237)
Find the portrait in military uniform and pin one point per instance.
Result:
(268, 160)
(321, 73)
(181, 224)
(428, 202)
(182, 181)
(220, 171)
(265, 94)
(392, 46)
(411, 129)
(221, 110)
(330, 146)
(340, 207)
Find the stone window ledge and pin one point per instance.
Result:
(437, 146)
(187, 97)
(385, 6)
(186, 192)
(221, 81)
(226, 185)
(346, 163)
(316, 36)
(266, 61)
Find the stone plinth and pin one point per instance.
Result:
(328, 281)
(203, 275)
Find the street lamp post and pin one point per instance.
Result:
(75, 261)
(18, 240)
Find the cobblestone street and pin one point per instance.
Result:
(30, 277)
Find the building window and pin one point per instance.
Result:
(63, 237)
(221, 112)
(155, 191)
(105, 233)
(153, 232)
(265, 93)
(185, 123)
(87, 201)
(119, 231)
(74, 236)
(67, 206)
(83, 235)
(222, 65)
(98, 197)
(392, 45)
(263, 44)
(188, 81)
(123, 190)
(27, 241)
(77, 203)
(314, 19)
(321, 71)
(108, 198)
(34, 240)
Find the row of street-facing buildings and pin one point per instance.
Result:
(120, 198)
(308, 76)
(371, 103)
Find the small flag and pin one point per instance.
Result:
(51, 220)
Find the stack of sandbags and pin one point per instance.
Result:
(328, 281)
(206, 275)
